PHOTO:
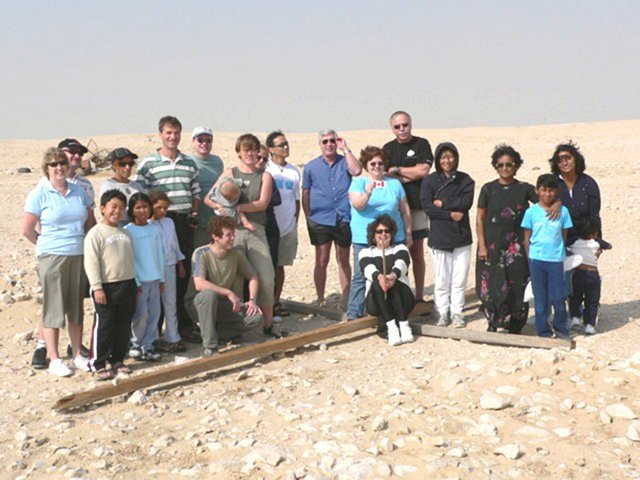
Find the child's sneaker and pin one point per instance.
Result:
(150, 356)
(393, 333)
(575, 323)
(406, 335)
(59, 369)
(135, 352)
(589, 329)
(81, 363)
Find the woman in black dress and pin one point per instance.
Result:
(502, 270)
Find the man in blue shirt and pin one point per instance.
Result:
(325, 202)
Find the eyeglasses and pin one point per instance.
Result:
(204, 140)
(328, 140)
(282, 145)
(380, 231)
(62, 163)
(504, 165)
(126, 164)
(376, 164)
(400, 125)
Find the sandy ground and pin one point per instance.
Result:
(352, 408)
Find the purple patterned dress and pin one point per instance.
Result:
(502, 278)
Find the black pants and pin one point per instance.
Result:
(586, 291)
(112, 323)
(185, 235)
(397, 306)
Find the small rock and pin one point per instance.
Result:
(510, 451)
(402, 470)
(378, 424)
(138, 398)
(350, 390)
(545, 381)
(269, 455)
(493, 401)
(458, 452)
(563, 432)
(242, 375)
(6, 298)
(620, 410)
(529, 431)
(633, 431)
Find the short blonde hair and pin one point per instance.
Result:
(52, 154)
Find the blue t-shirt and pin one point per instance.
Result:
(328, 187)
(61, 217)
(383, 199)
(208, 172)
(546, 235)
(148, 251)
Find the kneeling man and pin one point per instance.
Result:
(213, 297)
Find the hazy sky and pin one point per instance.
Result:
(80, 68)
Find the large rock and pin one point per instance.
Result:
(269, 455)
(620, 410)
(511, 451)
(493, 401)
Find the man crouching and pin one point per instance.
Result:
(213, 300)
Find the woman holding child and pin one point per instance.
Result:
(63, 212)
(256, 191)
(371, 195)
(502, 270)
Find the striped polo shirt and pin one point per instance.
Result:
(179, 179)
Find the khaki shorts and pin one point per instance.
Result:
(63, 286)
(288, 248)
(419, 224)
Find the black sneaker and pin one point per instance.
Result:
(235, 340)
(274, 332)
(210, 352)
(39, 359)
(84, 351)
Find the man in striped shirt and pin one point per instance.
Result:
(176, 174)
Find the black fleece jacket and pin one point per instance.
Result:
(456, 194)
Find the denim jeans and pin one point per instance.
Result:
(547, 280)
(355, 305)
(144, 326)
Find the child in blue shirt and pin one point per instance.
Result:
(148, 259)
(544, 242)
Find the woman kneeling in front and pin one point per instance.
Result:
(385, 266)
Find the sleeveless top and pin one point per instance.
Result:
(250, 192)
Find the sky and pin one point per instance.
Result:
(86, 68)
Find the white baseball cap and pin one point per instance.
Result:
(201, 131)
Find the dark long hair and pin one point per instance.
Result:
(572, 149)
(384, 220)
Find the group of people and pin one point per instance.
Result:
(188, 251)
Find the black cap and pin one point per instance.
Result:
(120, 153)
(73, 145)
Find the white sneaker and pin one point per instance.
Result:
(393, 333)
(59, 369)
(406, 335)
(442, 320)
(575, 322)
(589, 329)
(457, 321)
(81, 363)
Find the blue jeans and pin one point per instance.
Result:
(144, 326)
(355, 305)
(547, 280)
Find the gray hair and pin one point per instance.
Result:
(326, 131)
(399, 112)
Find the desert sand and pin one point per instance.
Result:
(354, 407)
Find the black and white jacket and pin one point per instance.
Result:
(396, 258)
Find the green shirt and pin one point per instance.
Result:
(209, 170)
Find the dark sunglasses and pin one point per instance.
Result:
(204, 140)
(62, 163)
(126, 164)
(328, 140)
(376, 164)
(282, 145)
(504, 165)
(400, 125)
(380, 231)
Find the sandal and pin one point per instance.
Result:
(280, 311)
(167, 347)
(120, 367)
(104, 375)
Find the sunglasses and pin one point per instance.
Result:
(400, 125)
(204, 140)
(504, 165)
(282, 145)
(62, 163)
(380, 231)
(376, 164)
(127, 164)
(565, 158)
(328, 140)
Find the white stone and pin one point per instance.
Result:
(567, 403)
(563, 432)
(620, 410)
(402, 470)
(493, 401)
(529, 431)
(605, 417)
(269, 455)
(507, 390)
(545, 381)
(511, 451)
(138, 398)
(458, 452)
(350, 390)
(450, 381)
(378, 424)
(633, 431)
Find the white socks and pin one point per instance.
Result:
(405, 332)
(399, 335)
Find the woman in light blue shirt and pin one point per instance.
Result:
(371, 195)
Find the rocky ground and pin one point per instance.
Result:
(350, 408)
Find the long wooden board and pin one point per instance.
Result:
(306, 309)
(491, 338)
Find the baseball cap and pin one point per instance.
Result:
(201, 131)
(120, 153)
(73, 145)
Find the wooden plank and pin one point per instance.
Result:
(306, 309)
(490, 338)
(201, 365)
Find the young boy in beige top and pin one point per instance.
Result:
(108, 261)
